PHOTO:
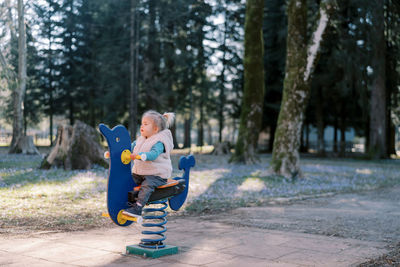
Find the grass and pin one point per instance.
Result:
(57, 200)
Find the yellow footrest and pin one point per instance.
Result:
(122, 218)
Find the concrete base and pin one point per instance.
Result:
(151, 253)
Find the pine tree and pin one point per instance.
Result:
(275, 32)
(47, 78)
(378, 148)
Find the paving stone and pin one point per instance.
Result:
(24, 261)
(62, 253)
(196, 257)
(114, 259)
(364, 252)
(250, 261)
(21, 244)
(316, 258)
(328, 245)
(258, 250)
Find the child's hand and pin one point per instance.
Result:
(135, 156)
(107, 154)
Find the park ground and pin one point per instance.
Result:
(346, 200)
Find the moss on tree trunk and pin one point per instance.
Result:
(285, 155)
(253, 95)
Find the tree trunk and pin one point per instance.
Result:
(319, 113)
(50, 82)
(378, 148)
(133, 118)
(271, 136)
(335, 137)
(222, 85)
(304, 134)
(300, 65)
(152, 58)
(187, 127)
(391, 139)
(342, 151)
(307, 146)
(221, 148)
(18, 96)
(209, 134)
(26, 146)
(203, 91)
(253, 95)
(391, 88)
(173, 131)
(200, 128)
(51, 129)
(77, 147)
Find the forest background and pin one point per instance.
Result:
(109, 61)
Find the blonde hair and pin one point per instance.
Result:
(163, 121)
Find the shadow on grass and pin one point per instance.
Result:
(29, 177)
(240, 186)
(21, 170)
(230, 190)
(57, 223)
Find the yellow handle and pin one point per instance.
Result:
(126, 156)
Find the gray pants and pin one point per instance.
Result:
(147, 185)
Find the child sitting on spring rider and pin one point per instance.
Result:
(152, 165)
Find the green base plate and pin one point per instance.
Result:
(151, 253)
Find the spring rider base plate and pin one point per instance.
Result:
(151, 253)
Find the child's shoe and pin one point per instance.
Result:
(134, 211)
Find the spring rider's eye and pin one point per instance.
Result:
(117, 139)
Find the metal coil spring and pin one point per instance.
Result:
(158, 220)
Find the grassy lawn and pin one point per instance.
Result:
(59, 200)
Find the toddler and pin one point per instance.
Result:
(154, 166)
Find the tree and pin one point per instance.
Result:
(378, 145)
(300, 64)
(253, 95)
(133, 70)
(340, 75)
(275, 32)
(392, 74)
(47, 79)
(228, 34)
(18, 94)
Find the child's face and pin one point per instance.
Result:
(148, 127)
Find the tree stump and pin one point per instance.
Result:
(222, 148)
(76, 147)
(24, 145)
